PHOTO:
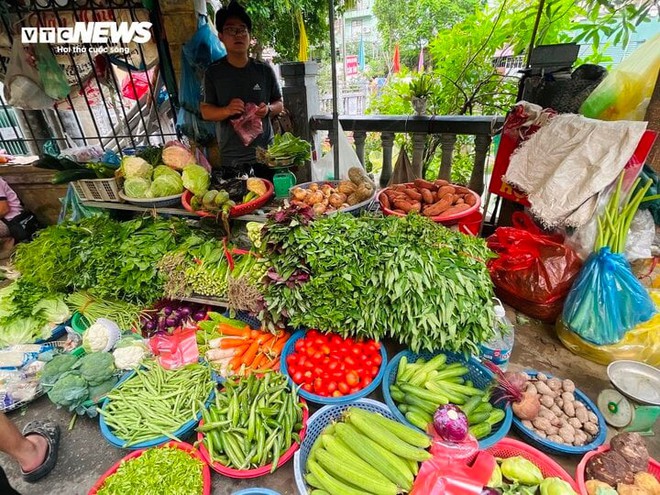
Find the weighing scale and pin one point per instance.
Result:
(283, 180)
(639, 410)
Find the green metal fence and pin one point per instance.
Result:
(9, 129)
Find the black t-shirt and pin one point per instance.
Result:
(255, 83)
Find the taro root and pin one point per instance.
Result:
(632, 448)
(609, 467)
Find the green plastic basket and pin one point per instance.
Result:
(79, 323)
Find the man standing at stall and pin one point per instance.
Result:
(232, 85)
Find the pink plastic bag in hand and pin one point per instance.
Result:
(448, 473)
(177, 349)
(248, 126)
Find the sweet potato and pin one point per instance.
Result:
(455, 209)
(424, 184)
(413, 194)
(440, 182)
(427, 196)
(385, 201)
(403, 205)
(437, 208)
(416, 206)
(470, 200)
(446, 190)
(458, 201)
(399, 211)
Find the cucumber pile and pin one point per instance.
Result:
(366, 453)
(422, 386)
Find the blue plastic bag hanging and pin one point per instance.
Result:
(202, 50)
(606, 300)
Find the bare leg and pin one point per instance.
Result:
(29, 451)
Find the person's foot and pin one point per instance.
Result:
(40, 433)
(7, 249)
(41, 451)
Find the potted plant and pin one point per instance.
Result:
(421, 88)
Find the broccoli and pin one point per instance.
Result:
(97, 367)
(99, 391)
(70, 390)
(56, 367)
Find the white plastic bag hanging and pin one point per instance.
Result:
(324, 169)
(641, 236)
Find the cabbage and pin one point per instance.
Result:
(196, 179)
(164, 170)
(132, 167)
(137, 187)
(167, 185)
(52, 310)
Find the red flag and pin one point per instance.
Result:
(396, 64)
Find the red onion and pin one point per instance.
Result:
(450, 423)
(512, 387)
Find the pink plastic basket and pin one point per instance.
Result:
(654, 468)
(262, 471)
(508, 447)
(206, 473)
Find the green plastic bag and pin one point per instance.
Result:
(51, 74)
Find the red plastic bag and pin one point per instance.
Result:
(135, 85)
(177, 349)
(448, 472)
(534, 272)
(248, 126)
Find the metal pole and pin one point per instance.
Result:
(335, 115)
(532, 41)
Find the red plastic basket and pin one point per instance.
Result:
(654, 468)
(443, 219)
(262, 471)
(206, 472)
(508, 447)
(238, 210)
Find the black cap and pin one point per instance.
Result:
(234, 9)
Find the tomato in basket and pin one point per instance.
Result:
(331, 366)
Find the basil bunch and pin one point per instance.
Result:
(407, 278)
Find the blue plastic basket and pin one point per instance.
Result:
(478, 374)
(256, 491)
(57, 332)
(546, 445)
(185, 429)
(315, 426)
(319, 399)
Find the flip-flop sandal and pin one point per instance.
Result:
(51, 432)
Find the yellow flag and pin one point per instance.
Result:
(304, 46)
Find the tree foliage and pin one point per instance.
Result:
(274, 24)
(411, 23)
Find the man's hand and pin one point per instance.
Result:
(235, 107)
(262, 110)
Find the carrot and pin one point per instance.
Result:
(249, 355)
(259, 361)
(279, 345)
(267, 341)
(236, 362)
(230, 331)
(231, 342)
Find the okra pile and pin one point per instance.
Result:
(366, 453)
(422, 386)
(252, 422)
(157, 402)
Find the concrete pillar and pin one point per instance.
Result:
(180, 23)
(301, 100)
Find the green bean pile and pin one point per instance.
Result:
(253, 422)
(157, 402)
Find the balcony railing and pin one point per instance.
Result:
(447, 127)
